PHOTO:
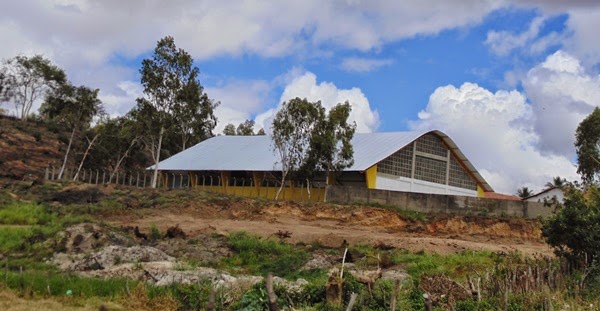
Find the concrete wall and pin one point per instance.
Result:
(437, 203)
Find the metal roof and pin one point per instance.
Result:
(255, 153)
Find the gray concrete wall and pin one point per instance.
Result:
(437, 203)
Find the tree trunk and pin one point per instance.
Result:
(157, 158)
(87, 151)
(122, 158)
(271, 294)
(327, 182)
(281, 187)
(62, 169)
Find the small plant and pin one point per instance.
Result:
(155, 233)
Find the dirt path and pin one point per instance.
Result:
(330, 225)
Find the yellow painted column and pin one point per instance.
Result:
(480, 192)
(256, 178)
(371, 176)
(225, 175)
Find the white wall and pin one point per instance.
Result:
(548, 195)
(395, 183)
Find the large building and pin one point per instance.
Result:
(404, 161)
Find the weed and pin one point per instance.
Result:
(155, 233)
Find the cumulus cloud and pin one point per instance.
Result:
(240, 100)
(495, 132)
(358, 64)
(561, 95)
(306, 86)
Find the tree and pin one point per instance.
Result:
(292, 129)
(330, 143)
(245, 128)
(557, 182)
(229, 130)
(524, 192)
(28, 79)
(174, 100)
(74, 108)
(193, 111)
(573, 230)
(587, 145)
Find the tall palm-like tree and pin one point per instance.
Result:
(524, 192)
(557, 182)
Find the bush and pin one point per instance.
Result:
(573, 230)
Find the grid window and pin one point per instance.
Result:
(431, 170)
(432, 144)
(398, 164)
(460, 178)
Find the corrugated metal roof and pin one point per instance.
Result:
(255, 153)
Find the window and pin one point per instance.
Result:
(432, 144)
(398, 164)
(431, 170)
(460, 178)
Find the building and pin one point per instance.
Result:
(547, 194)
(421, 162)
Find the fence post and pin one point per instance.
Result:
(180, 181)
(173, 182)
(211, 180)
(225, 184)
(234, 184)
(97, 175)
(53, 171)
(46, 174)
(203, 179)
(116, 179)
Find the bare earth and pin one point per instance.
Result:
(330, 225)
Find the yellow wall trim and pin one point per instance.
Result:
(480, 192)
(371, 175)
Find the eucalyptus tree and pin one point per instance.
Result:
(587, 146)
(330, 142)
(28, 79)
(229, 130)
(292, 130)
(74, 108)
(174, 98)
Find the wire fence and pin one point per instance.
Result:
(248, 187)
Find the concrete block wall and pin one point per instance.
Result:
(438, 203)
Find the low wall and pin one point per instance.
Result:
(438, 203)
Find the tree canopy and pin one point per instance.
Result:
(587, 145)
(174, 101)
(524, 192)
(27, 79)
(309, 140)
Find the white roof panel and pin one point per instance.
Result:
(255, 153)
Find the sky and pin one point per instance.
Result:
(507, 80)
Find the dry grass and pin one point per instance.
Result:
(11, 300)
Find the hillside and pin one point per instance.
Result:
(27, 148)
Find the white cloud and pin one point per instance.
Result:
(240, 101)
(503, 42)
(358, 64)
(495, 132)
(561, 94)
(305, 86)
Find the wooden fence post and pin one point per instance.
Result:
(271, 293)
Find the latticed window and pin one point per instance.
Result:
(431, 170)
(432, 144)
(398, 164)
(460, 178)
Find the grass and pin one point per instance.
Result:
(454, 265)
(255, 255)
(20, 213)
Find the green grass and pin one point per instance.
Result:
(255, 255)
(20, 213)
(455, 265)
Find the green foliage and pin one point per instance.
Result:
(587, 145)
(155, 233)
(524, 192)
(229, 130)
(261, 256)
(27, 79)
(18, 213)
(573, 230)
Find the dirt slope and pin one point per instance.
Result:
(331, 225)
(26, 149)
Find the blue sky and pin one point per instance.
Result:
(508, 80)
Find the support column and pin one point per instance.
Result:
(371, 176)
